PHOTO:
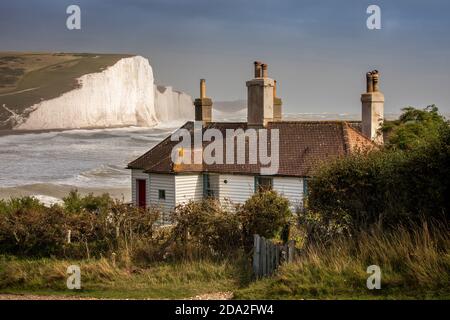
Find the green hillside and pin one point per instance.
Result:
(28, 78)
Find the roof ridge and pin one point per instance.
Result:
(359, 133)
(345, 137)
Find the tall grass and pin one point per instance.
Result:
(415, 263)
(101, 279)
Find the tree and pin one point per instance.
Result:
(415, 128)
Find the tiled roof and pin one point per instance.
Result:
(303, 145)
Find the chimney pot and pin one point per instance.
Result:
(274, 88)
(264, 70)
(257, 69)
(202, 88)
(375, 81)
(369, 82)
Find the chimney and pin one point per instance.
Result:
(277, 104)
(264, 70)
(260, 100)
(203, 105)
(373, 108)
(258, 69)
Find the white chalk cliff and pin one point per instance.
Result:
(121, 95)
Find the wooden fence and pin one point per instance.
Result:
(267, 256)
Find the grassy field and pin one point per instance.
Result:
(100, 279)
(414, 265)
(28, 78)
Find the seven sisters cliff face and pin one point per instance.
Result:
(116, 95)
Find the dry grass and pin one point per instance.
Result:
(414, 264)
(100, 279)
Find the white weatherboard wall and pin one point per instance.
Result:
(162, 182)
(139, 175)
(291, 188)
(237, 189)
(188, 187)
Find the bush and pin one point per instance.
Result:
(267, 214)
(28, 228)
(319, 228)
(388, 187)
(205, 227)
(75, 203)
(97, 226)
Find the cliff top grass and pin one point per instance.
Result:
(26, 78)
(102, 280)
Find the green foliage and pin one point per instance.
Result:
(24, 203)
(415, 128)
(323, 228)
(30, 229)
(94, 226)
(75, 203)
(389, 186)
(265, 213)
(97, 226)
(206, 226)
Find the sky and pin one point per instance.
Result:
(317, 50)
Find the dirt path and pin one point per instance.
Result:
(39, 297)
(209, 296)
(227, 295)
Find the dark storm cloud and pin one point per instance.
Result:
(317, 50)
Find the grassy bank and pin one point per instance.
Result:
(100, 279)
(414, 265)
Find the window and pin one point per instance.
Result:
(162, 194)
(208, 191)
(263, 183)
(305, 187)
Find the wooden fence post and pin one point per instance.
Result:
(267, 256)
(263, 256)
(277, 256)
(272, 257)
(256, 254)
(291, 250)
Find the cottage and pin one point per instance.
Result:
(160, 179)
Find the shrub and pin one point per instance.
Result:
(97, 226)
(323, 228)
(75, 203)
(387, 186)
(27, 228)
(206, 227)
(266, 213)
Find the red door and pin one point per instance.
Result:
(141, 193)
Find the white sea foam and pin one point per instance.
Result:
(82, 158)
(47, 200)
